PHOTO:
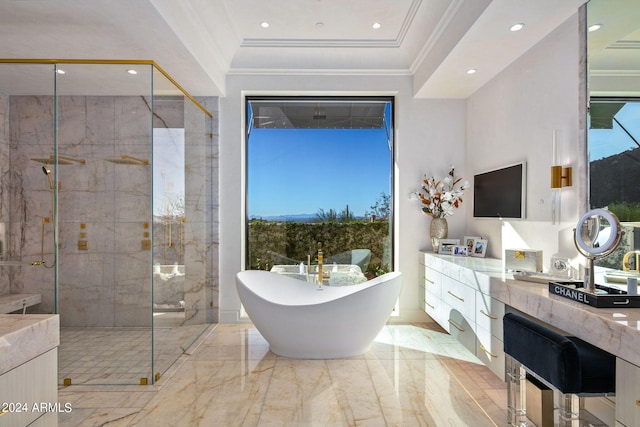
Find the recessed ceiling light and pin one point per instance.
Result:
(517, 27)
(264, 24)
(61, 71)
(594, 27)
(132, 71)
(471, 71)
(376, 25)
(319, 24)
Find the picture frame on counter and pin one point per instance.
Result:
(469, 241)
(447, 245)
(479, 248)
(461, 250)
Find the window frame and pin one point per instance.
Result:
(320, 98)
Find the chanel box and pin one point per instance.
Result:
(523, 260)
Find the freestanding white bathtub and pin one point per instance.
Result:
(302, 322)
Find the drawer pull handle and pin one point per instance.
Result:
(452, 323)
(432, 306)
(488, 315)
(637, 402)
(426, 279)
(455, 296)
(487, 351)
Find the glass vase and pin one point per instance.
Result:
(439, 230)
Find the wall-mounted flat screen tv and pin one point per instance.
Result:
(501, 193)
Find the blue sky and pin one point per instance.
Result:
(300, 171)
(606, 142)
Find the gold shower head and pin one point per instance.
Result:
(127, 160)
(62, 160)
(50, 161)
(71, 159)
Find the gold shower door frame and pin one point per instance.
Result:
(71, 219)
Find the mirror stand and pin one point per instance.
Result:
(600, 234)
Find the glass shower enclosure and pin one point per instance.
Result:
(106, 189)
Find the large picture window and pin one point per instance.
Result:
(319, 175)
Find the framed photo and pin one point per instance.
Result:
(469, 241)
(479, 248)
(447, 245)
(460, 250)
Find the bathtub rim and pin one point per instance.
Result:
(329, 293)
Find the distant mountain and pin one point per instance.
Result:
(288, 218)
(615, 178)
(292, 218)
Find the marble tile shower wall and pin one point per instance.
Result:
(107, 207)
(31, 134)
(201, 210)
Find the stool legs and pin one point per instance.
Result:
(516, 393)
(569, 410)
(568, 414)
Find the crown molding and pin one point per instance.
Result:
(319, 43)
(448, 16)
(343, 43)
(316, 72)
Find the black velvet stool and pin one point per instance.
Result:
(569, 365)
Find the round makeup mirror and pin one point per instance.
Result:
(597, 235)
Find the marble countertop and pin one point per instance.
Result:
(23, 337)
(616, 330)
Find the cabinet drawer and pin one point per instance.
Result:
(489, 314)
(460, 297)
(460, 327)
(433, 307)
(490, 350)
(432, 281)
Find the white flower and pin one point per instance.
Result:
(441, 198)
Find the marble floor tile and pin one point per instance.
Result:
(120, 356)
(414, 375)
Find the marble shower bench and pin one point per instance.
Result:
(14, 302)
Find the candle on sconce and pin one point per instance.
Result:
(554, 148)
(555, 192)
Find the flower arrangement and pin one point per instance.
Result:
(441, 198)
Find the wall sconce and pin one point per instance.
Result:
(561, 177)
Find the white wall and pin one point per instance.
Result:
(512, 118)
(430, 136)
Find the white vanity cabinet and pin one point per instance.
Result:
(456, 296)
(29, 369)
(627, 394)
